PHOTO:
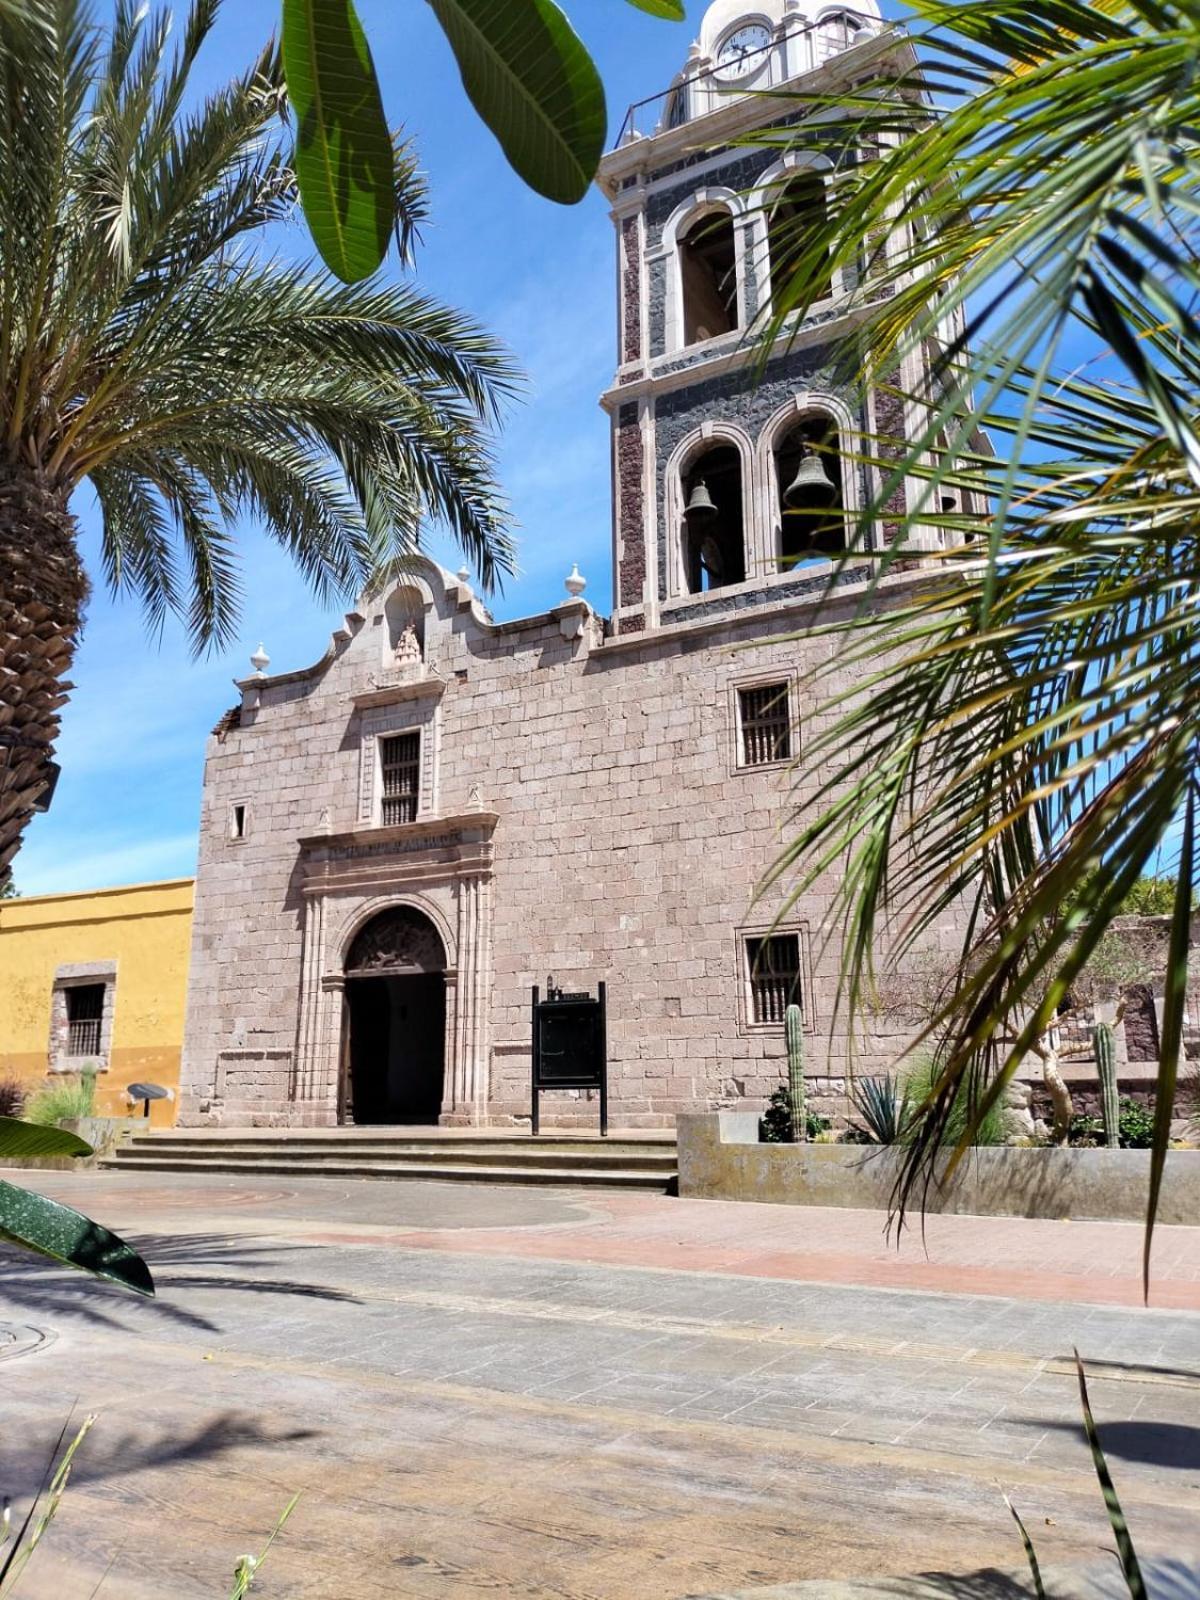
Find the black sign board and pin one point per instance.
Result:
(569, 1046)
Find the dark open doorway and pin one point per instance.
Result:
(395, 1016)
(397, 1041)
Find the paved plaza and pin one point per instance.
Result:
(594, 1395)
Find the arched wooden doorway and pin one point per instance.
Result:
(394, 1050)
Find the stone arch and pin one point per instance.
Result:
(836, 28)
(394, 1054)
(405, 611)
(364, 914)
(795, 164)
(709, 436)
(397, 940)
(708, 202)
(810, 404)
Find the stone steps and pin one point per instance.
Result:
(645, 1163)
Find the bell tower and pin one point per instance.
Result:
(734, 482)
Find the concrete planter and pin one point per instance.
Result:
(104, 1134)
(720, 1158)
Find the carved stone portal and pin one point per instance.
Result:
(399, 940)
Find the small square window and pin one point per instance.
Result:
(766, 724)
(85, 1012)
(774, 969)
(400, 770)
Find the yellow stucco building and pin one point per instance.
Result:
(97, 980)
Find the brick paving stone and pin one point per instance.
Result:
(466, 1411)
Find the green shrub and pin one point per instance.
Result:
(12, 1096)
(917, 1086)
(1086, 1131)
(63, 1102)
(1135, 1127)
(775, 1124)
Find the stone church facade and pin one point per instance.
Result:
(399, 841)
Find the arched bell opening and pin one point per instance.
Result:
(395, 1018)
(708, 276)
(714, 534)
(808, 471)
(797, 224)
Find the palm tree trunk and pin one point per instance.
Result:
(42, 591)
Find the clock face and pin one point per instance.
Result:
(739, 53)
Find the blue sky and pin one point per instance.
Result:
(539, 276)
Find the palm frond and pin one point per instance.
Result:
(1020, 739)
(147, 344)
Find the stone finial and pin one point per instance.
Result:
(575, 582)
(260, 661)
(463, 574)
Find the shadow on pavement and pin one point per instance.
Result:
(1157, 1444)
(33, 1289)
(109, 1454)
(1099, 1369)
(1167, 1579)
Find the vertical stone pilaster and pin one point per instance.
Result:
(467, 993)
(630, 504)
(631, 289)
(888, 418)
(312, 965)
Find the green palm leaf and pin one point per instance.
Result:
(344, 159)
(1023, 735)
(50, 1229)
(21, 1139)
(535, 86)
(672, 10)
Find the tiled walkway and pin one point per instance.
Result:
(1097, 1263)
(609, 1397)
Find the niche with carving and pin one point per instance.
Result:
(404, 612)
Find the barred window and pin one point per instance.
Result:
(400, 764)
(774, 964)
(766, 724)
(85, 1009)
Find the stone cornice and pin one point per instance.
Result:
(388, 694)
(737, 358)
(472, 825)
(751, 619)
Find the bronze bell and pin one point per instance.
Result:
(810, 484)
(700, 502)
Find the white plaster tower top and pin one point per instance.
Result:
(750, 47)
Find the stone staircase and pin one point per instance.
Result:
(625, 1160)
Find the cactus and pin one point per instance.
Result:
(1104, 1043)
(794, 1032)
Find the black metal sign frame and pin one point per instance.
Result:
(570, 1046)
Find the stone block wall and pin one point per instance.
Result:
(626, 845)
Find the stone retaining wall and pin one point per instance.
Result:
(720, 1158)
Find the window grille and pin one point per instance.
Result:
(85, 1010)
(400, 762)
(766, 724)
(774, 975)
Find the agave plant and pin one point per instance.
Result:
(150, 349)
(1030, 209)
(883, 1104)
